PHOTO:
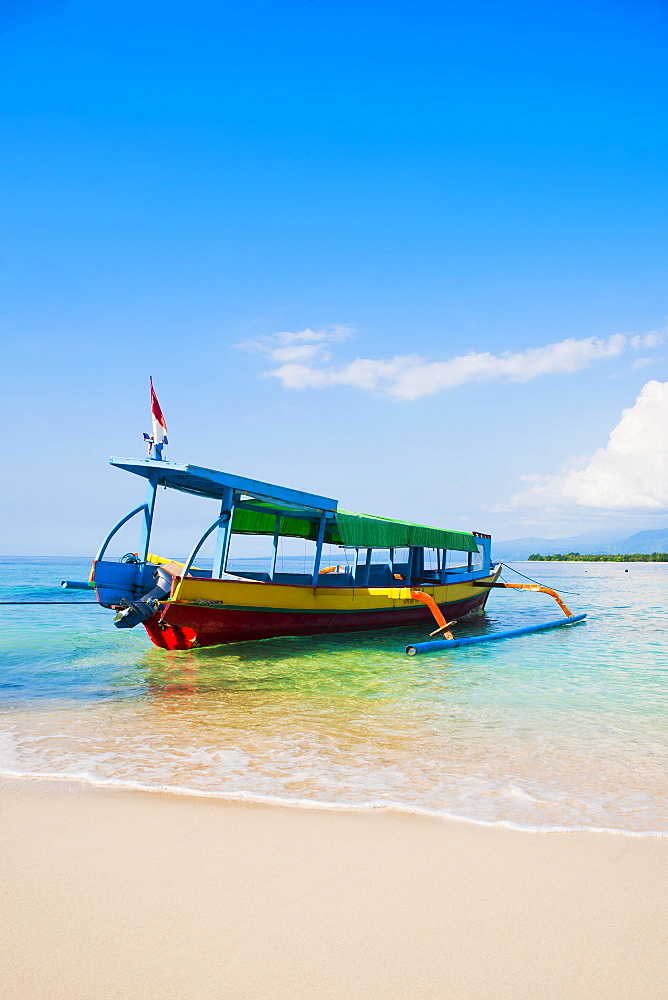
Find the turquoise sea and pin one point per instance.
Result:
(566, 729)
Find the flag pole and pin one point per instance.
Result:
(158, 435)
(150, 399)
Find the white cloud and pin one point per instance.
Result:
(630, 473)
(303, 362)
(652, 339)
(298, 353)
(288, 348)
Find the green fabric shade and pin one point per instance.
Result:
(364, 531)
(346, 528)
(263, 522)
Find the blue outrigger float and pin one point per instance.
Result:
(386, 573)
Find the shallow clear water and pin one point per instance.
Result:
(562, 729)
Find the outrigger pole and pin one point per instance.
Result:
(449, 642)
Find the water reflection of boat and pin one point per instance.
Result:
(386, 572)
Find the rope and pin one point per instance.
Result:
(76, 604)
(537, 582)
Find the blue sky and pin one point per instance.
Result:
(394, 208)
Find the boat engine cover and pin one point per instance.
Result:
(135, 613)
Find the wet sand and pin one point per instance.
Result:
(109, 894)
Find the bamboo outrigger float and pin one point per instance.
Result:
(448, 641)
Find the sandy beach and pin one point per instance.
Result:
(114, 894)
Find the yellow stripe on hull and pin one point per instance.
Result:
(238, 594)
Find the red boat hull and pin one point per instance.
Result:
(184, 626)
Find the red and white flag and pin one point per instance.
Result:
(158, 438)
(159, 422)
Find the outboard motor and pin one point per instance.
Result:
(136, 612)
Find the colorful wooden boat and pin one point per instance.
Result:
(381, 566)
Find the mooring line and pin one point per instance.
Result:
(531, 580)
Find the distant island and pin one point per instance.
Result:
(646, 542)
(579, 557)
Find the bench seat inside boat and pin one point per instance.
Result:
(336, 580)
(261, 577)
(300, 579)
(380, 575)
(296, 579)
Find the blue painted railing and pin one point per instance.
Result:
(105, 543)
(191, 558)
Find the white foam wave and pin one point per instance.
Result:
(276, 800)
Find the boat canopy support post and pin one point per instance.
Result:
(484, 543)
(224, 533)
(274, 555)
(318, 548)
(367, 568)
(147, 524)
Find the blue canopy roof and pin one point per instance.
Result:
(299, 513)
(210, 483)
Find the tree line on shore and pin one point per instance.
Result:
(579, 557)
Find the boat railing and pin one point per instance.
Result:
(187, 566)
(105, 543)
